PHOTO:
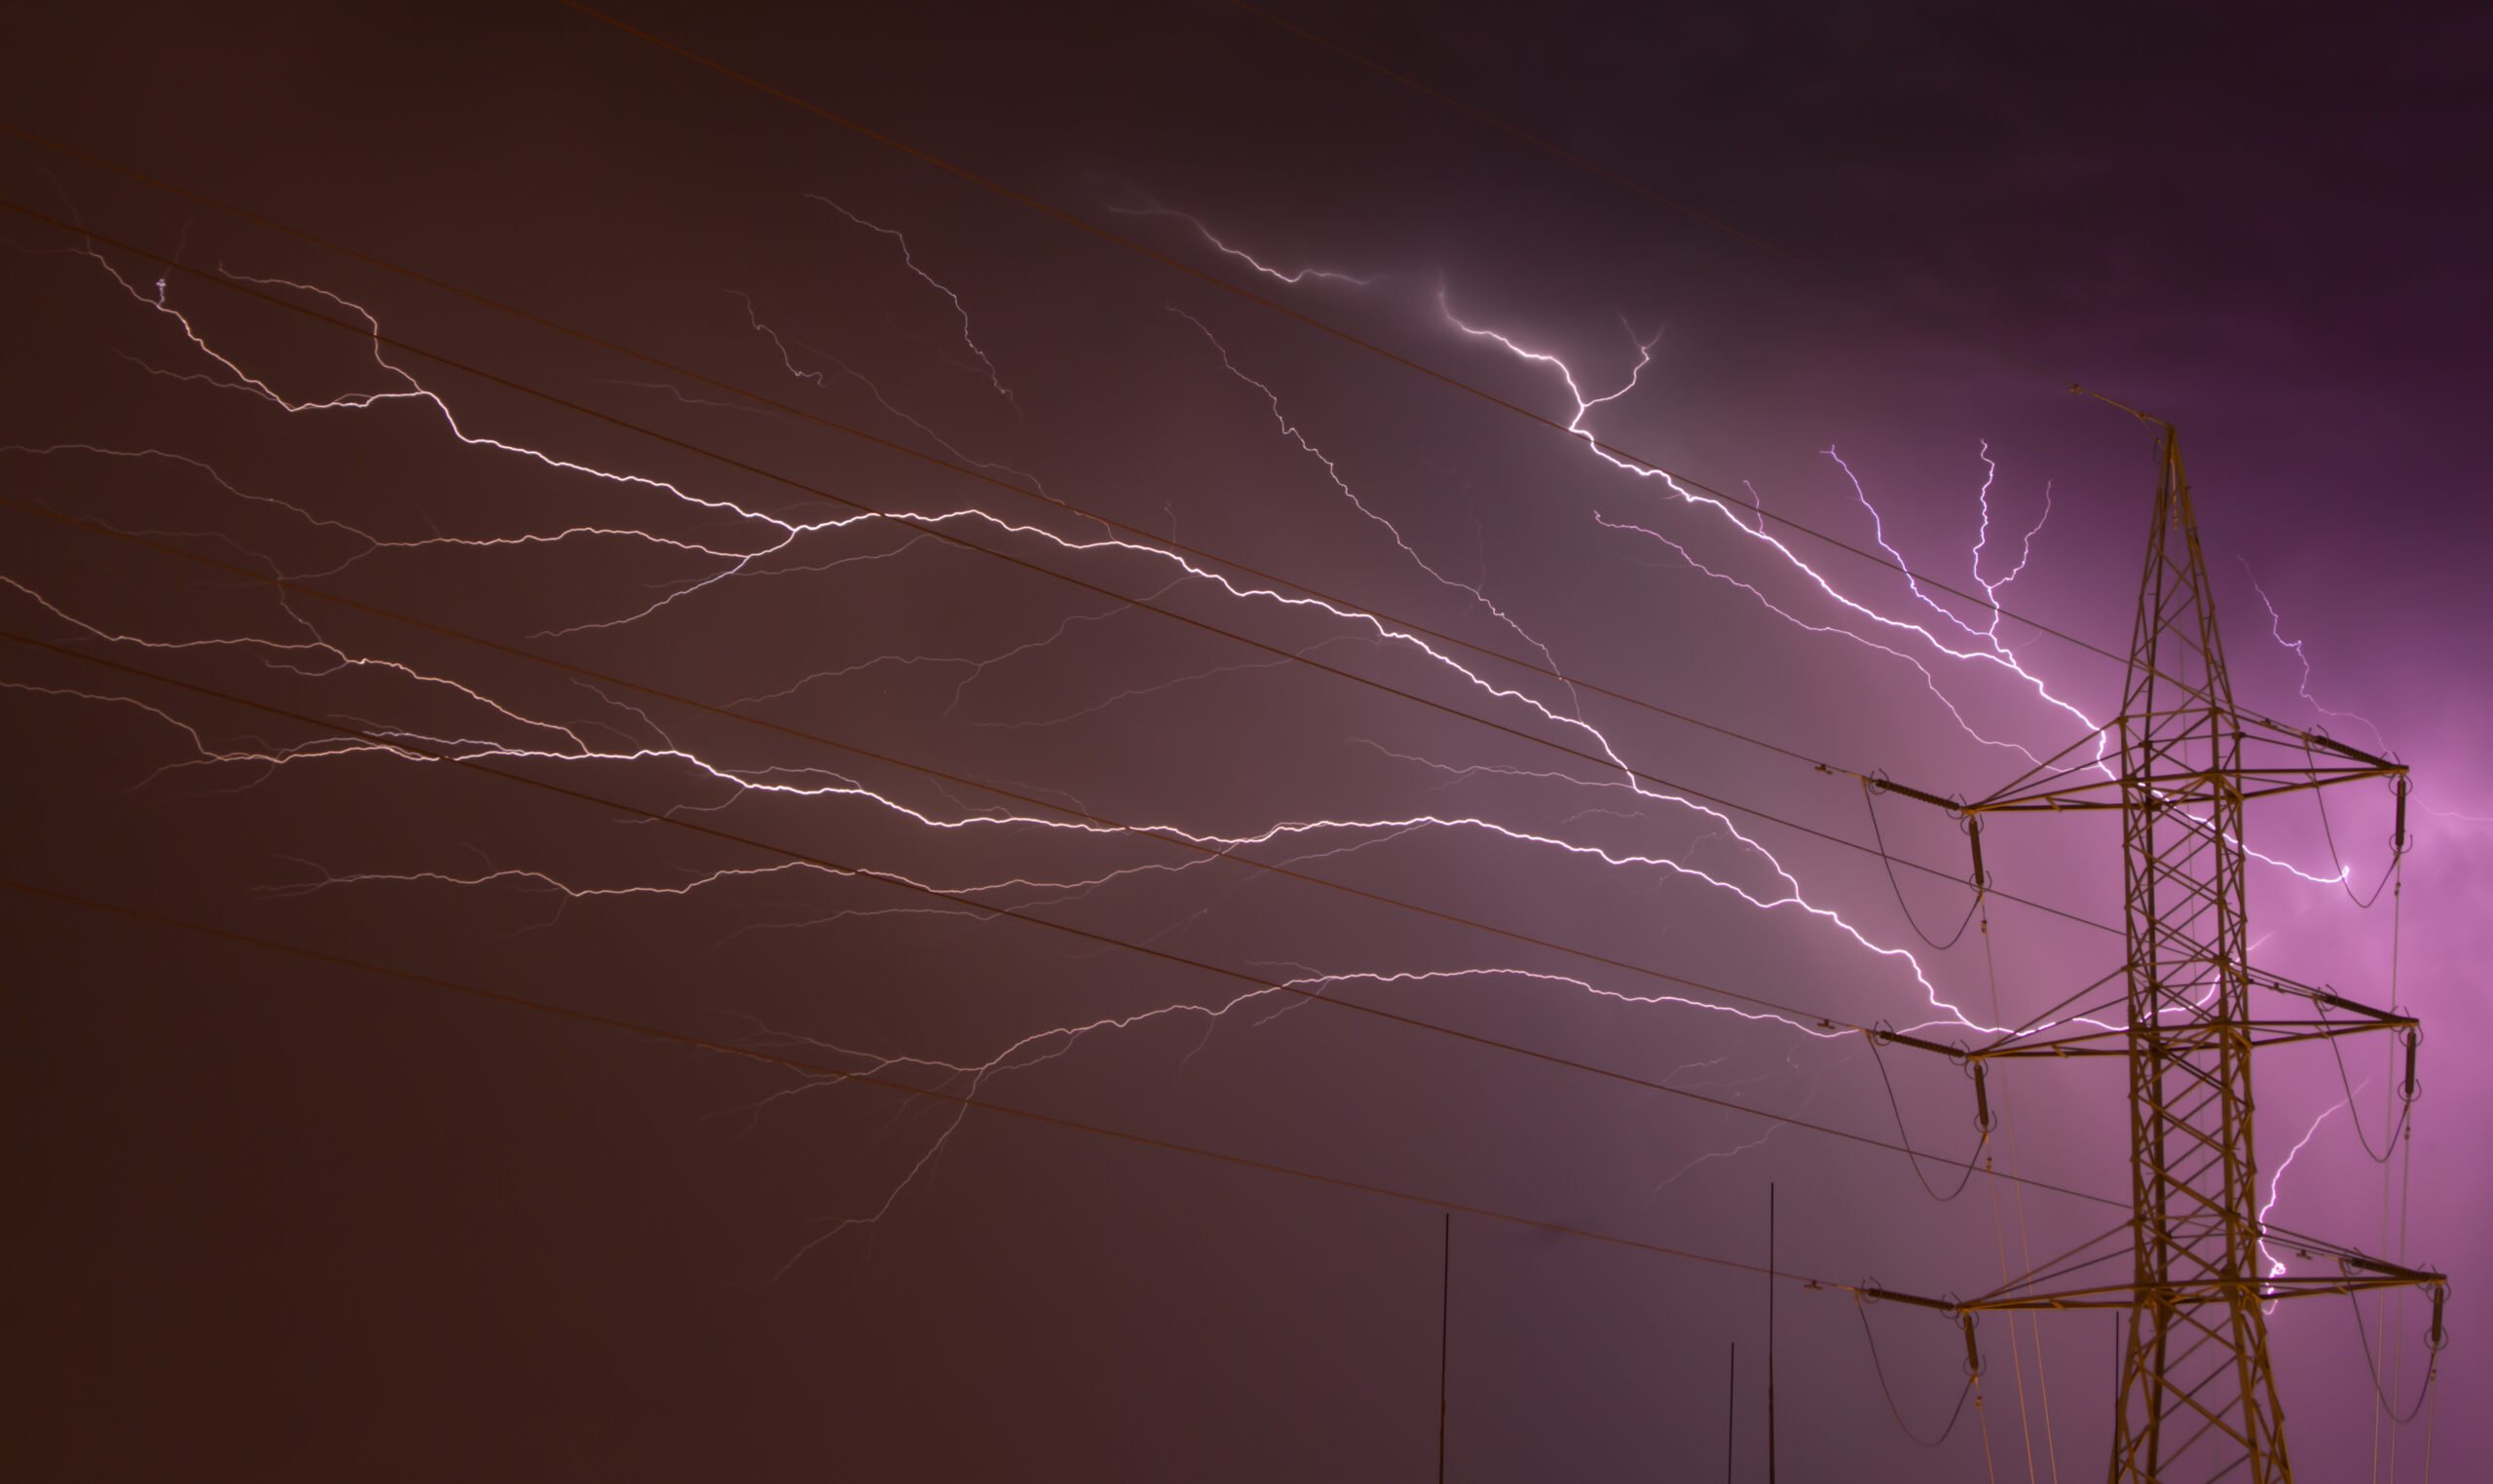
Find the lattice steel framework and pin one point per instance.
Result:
(2195, 1359)
(2196, 1395)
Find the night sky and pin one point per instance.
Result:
(1035, 555)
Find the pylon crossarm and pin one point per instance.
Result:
(2057, 1266)
(2114, 1041)
(2292, 1032)
(2054, 1275)
(2280, 783)
(2331, 744)
(2186, 1293)
(2174, 789)
(2035, 1038)
(2299, 769)
(2330, 999)
(2390, 1270)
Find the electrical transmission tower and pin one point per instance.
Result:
(2196, 1395)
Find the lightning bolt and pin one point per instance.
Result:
(760, 543)
(1292, 277)
(1995, 651)
(2275, 1186)
(2277, 631)
(960, 310)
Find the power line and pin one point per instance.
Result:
(371, 335)
(1986, 602)
(965, 470)
(888, 1084)
(969, 471)
(1870, 1033)
(939, 532)
(1325, 327)
(1155, 833)
(2195, 1360)
(969, 1101)
(1257, 981)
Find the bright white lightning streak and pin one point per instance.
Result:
(412, 391)
(994, 378)
(1928, 679)
(2276, 1184)
(1999, 654)
(1913, 584)
(473, 749)
(1028, 1049)
(739, 783)
(788, 532)
(790, 529)
(1990, 632)
(2025, 549)
(415, 390)
(1664, 865)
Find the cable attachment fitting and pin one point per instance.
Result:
(1974, 833)
(1983, 1118)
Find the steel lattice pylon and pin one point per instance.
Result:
(2196, 1358)
(2197, 1398)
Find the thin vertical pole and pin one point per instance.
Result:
(1769, 1333)
(1730, 1411)
(1445, 1312)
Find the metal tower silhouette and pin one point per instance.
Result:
(2196, 1395)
